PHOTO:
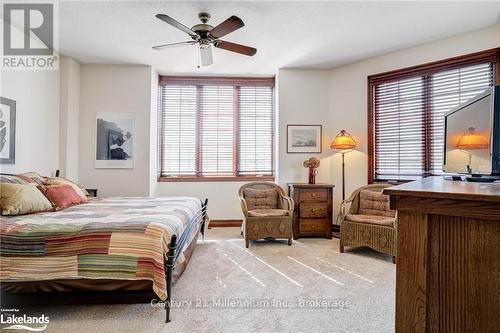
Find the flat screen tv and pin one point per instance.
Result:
(472, 137)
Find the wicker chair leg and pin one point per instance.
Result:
(341, 248)
(247, 243)
(289, 241)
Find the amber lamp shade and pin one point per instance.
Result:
(343, 141)
(472, 140)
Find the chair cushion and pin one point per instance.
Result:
(371, 219)
(267, 212)
(374, 203)
(261, 198)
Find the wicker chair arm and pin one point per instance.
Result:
(344, 209)
(244, 207)
(289, 203)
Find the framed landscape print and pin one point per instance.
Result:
(114, 141)
(7, 131)
(304, 139)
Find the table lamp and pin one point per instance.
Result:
(472, 140)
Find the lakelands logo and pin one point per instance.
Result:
(29, 36)
(24, 322)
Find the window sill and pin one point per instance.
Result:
(215, 179)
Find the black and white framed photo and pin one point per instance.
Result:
(304, 139)
(114, 141)
(7, 131)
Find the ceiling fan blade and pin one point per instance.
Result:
(164, 46)
(178, 25)
(231, 24)
(206, 56)
(233, 47)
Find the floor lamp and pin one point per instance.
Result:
(343, 143)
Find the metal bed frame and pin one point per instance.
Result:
(172, 255)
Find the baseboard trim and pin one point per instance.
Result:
(225, 223)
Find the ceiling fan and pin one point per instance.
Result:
(206, 35)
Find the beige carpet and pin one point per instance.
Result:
(232, 289)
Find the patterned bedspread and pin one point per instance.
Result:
(113, 238)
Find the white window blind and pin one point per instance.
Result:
(408, 117)
(216, 129)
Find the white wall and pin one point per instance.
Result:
(303, 100)
(36, 93)
(348, 92)
(69, 117)
(115, 88)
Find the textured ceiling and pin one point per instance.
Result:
(287, 34)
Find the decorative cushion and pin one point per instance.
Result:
(62, 181)
(61, 196)
(11, 179)
(17, 199)
(261, 198)
(374, 203)
(267, 212)
(371, 219)
(31, 177)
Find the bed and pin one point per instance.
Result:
(106, 247)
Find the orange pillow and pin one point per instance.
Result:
(61, 196)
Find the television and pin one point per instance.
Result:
(472, 138)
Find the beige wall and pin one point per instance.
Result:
(348, 92)
(69, 117)
(36, 93)
(115, 88)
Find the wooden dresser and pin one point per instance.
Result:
(312, 215)
(448, 265)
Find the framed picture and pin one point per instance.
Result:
(7, 131)
(304, 139)
(114, 141)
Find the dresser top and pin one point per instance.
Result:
(437, 187)
(310, 185)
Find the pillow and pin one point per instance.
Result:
(61, 196)
(261, 198)
(12, 179)
(374, 203)
(16, 199)
(62, 181)
(31, 177)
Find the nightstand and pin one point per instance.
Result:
(312, 214)
(92, 192)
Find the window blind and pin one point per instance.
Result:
(216, 128)
(407, 114)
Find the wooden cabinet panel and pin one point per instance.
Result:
(316, 195)
(312, 226)
(313, 210)
(312, 215)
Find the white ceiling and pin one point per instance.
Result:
(287, 34)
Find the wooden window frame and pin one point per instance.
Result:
(491, 55)
(236, 82)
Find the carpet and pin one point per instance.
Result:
(269, 287)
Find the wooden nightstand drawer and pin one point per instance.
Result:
(317, 195)
(316, 226)
(313, 210)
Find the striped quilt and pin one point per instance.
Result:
(113, 238)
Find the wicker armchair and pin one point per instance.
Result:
(268, 212)
(366, 220)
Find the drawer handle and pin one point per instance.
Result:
(313, 195)
(314, 210)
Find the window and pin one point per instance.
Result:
(216, 128)
(406, 113)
